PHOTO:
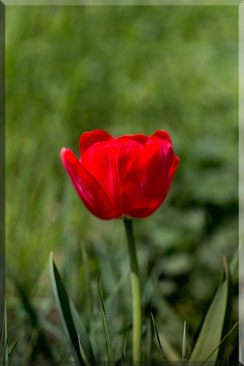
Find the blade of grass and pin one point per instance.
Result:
(166, 349)
(30, 311)
(83, 355)
(109, 349)
(169, 351)
(13, 345)
(213, 324)
(70, 318)
(221, 342)
(125, 343)
(87, 275)
(157, 335)
(184, 350)
(223, 350)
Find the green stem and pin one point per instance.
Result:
(136, 291)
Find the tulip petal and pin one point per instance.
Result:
(142, 139)
(159, 136)
(100, 161)
(90, 138)
(146, 184)
(126, 151)
(90, 191)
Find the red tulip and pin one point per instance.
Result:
(125, 176)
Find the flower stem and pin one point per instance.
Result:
(136, 291)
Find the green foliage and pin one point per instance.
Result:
(157, 335)
(212, 329)
(71, 321)
(6, 349)
(126, 70)
(211, 339)
(107, 337)
(184, 345)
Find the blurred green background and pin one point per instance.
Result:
(126, 70)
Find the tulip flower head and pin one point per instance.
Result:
(125, 176)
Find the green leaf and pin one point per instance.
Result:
(83, 355)
(4, 338)
(213, 326)
(158, 339)
(184, 349)
(123, 357)
(13, 345)
(224, 347)
(220, 343)
(70, 318)
(33, 317)
(166, 349)
(109, 349)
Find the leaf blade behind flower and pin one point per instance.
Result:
(212, 328)
(70, 318)
(109, 348)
